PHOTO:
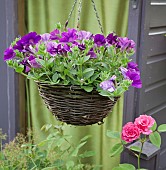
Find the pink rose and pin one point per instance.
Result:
(144, 123)
(130, 132)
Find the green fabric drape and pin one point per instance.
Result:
(42, 15)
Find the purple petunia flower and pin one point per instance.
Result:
(19, 46)
(84, 35)
(53, 48)
(23, 44)
(9, 54)
(132, 73)
(55, 34)
(92, 53)
(99, 39)
(45, 37)
(81, 46)
(108, 85)
(69, 36)
(111, 39)
(32, 62)
(31, 38)
(126, 44)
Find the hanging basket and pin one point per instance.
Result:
(73, 105)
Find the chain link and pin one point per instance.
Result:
(79, 13)
(70, 14)
(97, 16)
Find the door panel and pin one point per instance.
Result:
(151, 58)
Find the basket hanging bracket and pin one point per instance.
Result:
(79, 14)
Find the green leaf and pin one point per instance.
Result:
(55, 77)
(87, 88)
(162, 128)
(69, 164)
(41, 62)
(135, 148)
(19, 69)
(85, 138)
(87, 154)
(116, 149)
(153, 128)
(124, 167)
(88, 70)
(50, 61)
(76, 150)
(104, 93)
(155, 139)
(127, 166)
(113, 134)
(46, 127)
(86, 58)
(87, 73)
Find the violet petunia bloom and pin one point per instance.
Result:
(69, 36)
(92, 53)
(111, 39)
(109, 85)
(132, 65)
(99, 39)
(132, 73)
(81, 47)
(19, 46)
(45, 37)
(55, 34)
(32, 62)
(126, 44)
(31, 38)
(53, 48)
(9, 54)
(23, 44)
(84, 35)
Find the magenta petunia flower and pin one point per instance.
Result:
(55, 34)
(9, 54)
(108, 85)
(69, 36)
(126, 44)
(99, 39)
(32, 62)
(84, 35)
(132, 73)
(45, 37)
(92, 53)
(111, 39)
(31, 38)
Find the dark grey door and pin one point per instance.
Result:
(147, 26)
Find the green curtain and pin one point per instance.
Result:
(42, 15)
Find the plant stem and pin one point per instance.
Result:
(142, 144)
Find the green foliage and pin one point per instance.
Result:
(155, 139)
(124, 167)
(162, 128)
(153, 128)
(135, 148)
(116, 149)
(56, 152)
(113, 134)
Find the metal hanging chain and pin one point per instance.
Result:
(70, 14)
(79, 13)
(97, 16)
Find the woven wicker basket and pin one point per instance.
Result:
(72, 105)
